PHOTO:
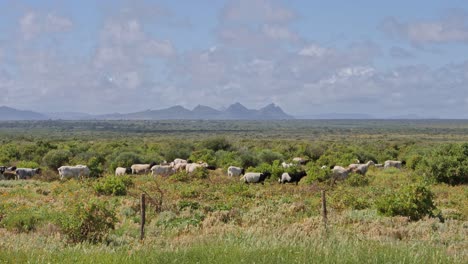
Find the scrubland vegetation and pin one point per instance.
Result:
(418, 214)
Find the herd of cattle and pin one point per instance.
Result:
(179, 165)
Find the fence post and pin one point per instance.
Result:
(324, 209)
(143, 216)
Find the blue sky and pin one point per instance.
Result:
(310, 57)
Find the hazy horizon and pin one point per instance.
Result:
(308, 57)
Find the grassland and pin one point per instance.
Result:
(217, 219)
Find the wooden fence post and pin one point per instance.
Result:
(324, 209)
(143, 216)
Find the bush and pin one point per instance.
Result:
(217, 143)
(200, 173)
(314, 173)
(56, 158)
(356, 180)
(22, 220)
(181, 176)
(89, 222)
(126, 159)
(268, 156)
(27, 164)
(413, 201)
(113, 185)
(448, 164)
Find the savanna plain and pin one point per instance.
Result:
(416, 214)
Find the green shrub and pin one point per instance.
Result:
(355, 180)
(27, 164)
(56, 158)
(413, 201)
(180, 176)
(126, 159)
(268, 156)
(205, 155)
(314, 173)
(200, 173)
(21, 220)
(447, 163)
(217, 143)
(90, 221)
(113, 185)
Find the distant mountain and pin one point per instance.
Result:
(8, 113)
(234, 112)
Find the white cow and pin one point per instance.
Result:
(392, 164)
(78, 171)
(191, 167)
(120, 171)
(142, 168)
(255, 177)
(163, 170)
(234, 171)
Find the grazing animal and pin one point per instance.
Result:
(191, 167)
(142, 168)
(292, 177)
(9, 173)
(180, 166)
(78, 171)
(340, 173)
(255, 177)
(324, 167)
(393, 164)
(299, 160)
(120, 171)
(286, 165)
(163, 170)
(26, 173)
(234, 171)
(362, 168)
(177, 161)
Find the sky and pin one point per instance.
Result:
(382, 58)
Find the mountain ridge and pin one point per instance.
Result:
(235, 111)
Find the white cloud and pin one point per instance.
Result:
(33, 24)
(449, 29)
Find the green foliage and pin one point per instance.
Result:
(413, 201)
(355, 180)
(181, 176)
(315, 173)
(217, 143)
(447, 163)
(113, 185)
(90, 221)
(337, 155)
(205, 155)
(56, 158)
(200, 173)
(188, 204)
(248, 159)
(224, 159)
(8, 153)
(21, 220)
(268, 156)
(345, 199)
(27, 164)
(126, 160)
(176, 150)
